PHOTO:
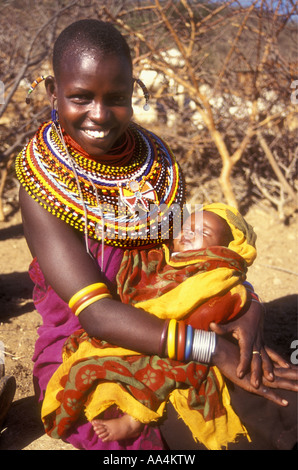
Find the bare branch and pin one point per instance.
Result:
(276, 168)
(232, 49)
(28, 61)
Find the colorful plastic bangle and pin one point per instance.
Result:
(172, 338)
(83, 292)
(181, 341)
(90, 301)
(101, 290)
(188, 343)
(248, 286)
(254, 296)
(163, 336)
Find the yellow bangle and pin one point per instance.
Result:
(90, 301)
(172, 338)
(86, 290)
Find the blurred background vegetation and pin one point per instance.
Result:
(223, 82)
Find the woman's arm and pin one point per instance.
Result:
(67, 267)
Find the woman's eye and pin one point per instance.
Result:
(119, 100)
(80, 99)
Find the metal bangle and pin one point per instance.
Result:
(204, 343)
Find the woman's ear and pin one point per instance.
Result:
(51, 88)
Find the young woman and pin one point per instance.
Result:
(75, 173)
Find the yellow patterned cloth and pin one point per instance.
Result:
(96, 375)
(175, 287)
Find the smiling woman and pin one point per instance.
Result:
(90, 155)
(93, 99)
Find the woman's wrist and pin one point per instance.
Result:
(184, 343)
(204, 344)
(178, 340)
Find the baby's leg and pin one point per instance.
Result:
(117, 429)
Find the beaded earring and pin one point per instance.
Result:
(33, 86)
(146, 106)
(54, 116)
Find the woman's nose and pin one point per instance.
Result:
(99, 112)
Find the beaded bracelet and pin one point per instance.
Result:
(87, 296)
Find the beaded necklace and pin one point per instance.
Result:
(124, 205)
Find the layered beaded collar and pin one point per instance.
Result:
(124, 204)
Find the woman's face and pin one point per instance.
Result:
(93, 94)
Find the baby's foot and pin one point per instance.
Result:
(117, 429)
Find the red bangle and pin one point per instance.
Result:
(161, 348)
(181, 341)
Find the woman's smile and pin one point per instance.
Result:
(94, 100)
(96, 137)
(96, 134)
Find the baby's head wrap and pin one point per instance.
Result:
(244, 242)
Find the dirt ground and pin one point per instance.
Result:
(274, 275)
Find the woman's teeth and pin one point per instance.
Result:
(96, 134)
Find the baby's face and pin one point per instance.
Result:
(210, 230)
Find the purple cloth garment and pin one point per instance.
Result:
(58, 323)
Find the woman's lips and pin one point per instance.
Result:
(95, 134)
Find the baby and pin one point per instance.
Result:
(198, 233)
(213, 231)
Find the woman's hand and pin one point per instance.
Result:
(285, 374)
(226, 358)
(247, 329)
